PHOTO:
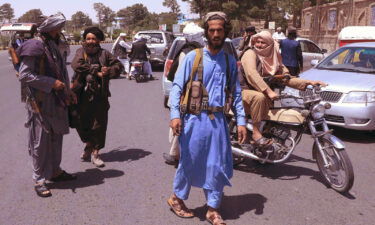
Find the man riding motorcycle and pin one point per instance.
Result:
(263, 60)
(139, 51)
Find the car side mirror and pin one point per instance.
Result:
(314, 62)
(324, 50)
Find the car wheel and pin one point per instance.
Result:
(166, 102)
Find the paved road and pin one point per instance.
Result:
(134, 185)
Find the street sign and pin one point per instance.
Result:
(271, 25)
(176, 28)
(163, 27)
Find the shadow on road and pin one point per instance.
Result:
(232, 207)
(354, 136)
(280, 171)
(121, 154)
(90, 177)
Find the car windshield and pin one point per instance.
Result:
(153, 38)
(351, 59)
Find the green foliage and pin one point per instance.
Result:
(80, 20)
(104, 14)
(77, 36)
(31, 16)
(4, 41)
(137, 17)
(173, 5)
(6, 12)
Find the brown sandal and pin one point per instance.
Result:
(179, 208)
(215, 219)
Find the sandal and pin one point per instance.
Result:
(63, 176)
(42, 190)
(179, 208)
(215, 219)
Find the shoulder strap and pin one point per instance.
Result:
(227, 71)
(197, 61)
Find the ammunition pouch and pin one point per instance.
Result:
(194, 98)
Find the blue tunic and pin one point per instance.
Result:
(206, 156)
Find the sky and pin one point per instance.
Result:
(69, 7)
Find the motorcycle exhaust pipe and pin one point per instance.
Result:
(243, 153)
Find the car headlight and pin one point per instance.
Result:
(318, 111)
(360, 97)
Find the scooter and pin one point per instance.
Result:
(138, 72)
(282, 122)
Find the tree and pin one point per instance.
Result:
(138, 17)
(31, 16)
(80, 20)
(173, 5)
(105, 15)
(6, 12)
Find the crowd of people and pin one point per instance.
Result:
(199, 132)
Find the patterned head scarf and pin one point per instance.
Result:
(218, 14)
(269, 56)
(51, 23)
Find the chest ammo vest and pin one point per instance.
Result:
(194, 98)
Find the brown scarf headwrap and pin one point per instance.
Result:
(269, 56)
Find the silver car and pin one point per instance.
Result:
(350, 73)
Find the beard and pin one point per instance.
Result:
(91, 49)
(216, 46)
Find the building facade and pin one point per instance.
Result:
(323, 23)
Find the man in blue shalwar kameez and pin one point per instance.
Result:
(206, 156)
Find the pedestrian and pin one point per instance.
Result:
(139, 51)
(44, 73)
(194, 39)
(260, 61)
(93, 68)
(278, 35)
(291, 53)
(121, 52)
(249, 32)
(205, 150)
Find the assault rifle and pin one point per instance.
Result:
(35, 108)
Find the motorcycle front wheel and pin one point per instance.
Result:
(339, 171)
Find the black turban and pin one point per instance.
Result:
(95, 31)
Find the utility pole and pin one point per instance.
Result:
(316, 26)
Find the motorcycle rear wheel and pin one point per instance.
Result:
(339, 174)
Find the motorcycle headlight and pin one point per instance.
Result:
(360, 97)
(318, 111)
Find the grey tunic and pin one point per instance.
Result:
(45, 147)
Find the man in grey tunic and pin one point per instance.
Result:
(44, 72)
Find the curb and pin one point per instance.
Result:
(80, 43)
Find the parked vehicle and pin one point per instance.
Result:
(310, 51)
(353, 34)
(329, 151)
(138, 72)
(175, 48)
(350, 73)
(27, 30)
(159, 43)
